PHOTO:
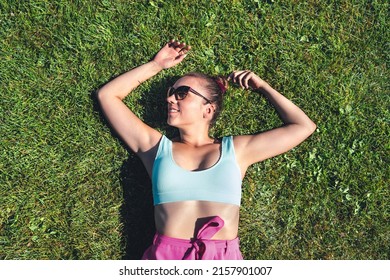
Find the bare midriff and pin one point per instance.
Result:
(184, 218)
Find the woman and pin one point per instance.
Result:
(197, 179)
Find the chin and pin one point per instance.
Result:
(171, 123)
(174, 123)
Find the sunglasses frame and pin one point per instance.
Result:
(173, 91)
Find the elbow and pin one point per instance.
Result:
(100, 94)
(103, 95)
(307, 128)
(311, 127)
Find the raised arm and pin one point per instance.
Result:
(297, 125)
(140, 137)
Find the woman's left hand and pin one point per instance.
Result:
(246, 79)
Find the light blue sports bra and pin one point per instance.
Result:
(219, 183)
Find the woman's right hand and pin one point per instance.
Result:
(171, 54)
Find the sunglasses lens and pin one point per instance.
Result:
(180, 92)
(170, 91)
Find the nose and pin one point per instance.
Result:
(171, 99)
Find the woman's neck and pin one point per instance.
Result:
(195, 138)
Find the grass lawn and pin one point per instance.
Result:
(69, 189)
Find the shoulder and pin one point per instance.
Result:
(240, 144)
(239, 140)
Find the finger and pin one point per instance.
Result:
(182, 47)
(178, 46)
(171, 42)
(239, 78)
(246, 78)
(180, 58)
(233, 76)
(185, 49)
(230, 77)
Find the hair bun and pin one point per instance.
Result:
(222, 83)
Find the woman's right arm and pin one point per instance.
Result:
(134, 132)
(140, 137)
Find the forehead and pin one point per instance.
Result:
(192, 82)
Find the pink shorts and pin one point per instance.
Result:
(199, 248)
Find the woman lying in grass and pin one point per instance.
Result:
(197, 179)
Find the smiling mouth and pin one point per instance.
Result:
(173, 110)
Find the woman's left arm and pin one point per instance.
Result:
(297, 125)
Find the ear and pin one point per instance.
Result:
(209, 111)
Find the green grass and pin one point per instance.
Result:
(69, 189)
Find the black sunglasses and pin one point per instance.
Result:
(182, 92)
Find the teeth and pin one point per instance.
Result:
(174, 110)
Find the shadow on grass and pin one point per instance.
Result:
(137, 214)
(137, 208)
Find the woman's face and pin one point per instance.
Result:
(191, 109)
